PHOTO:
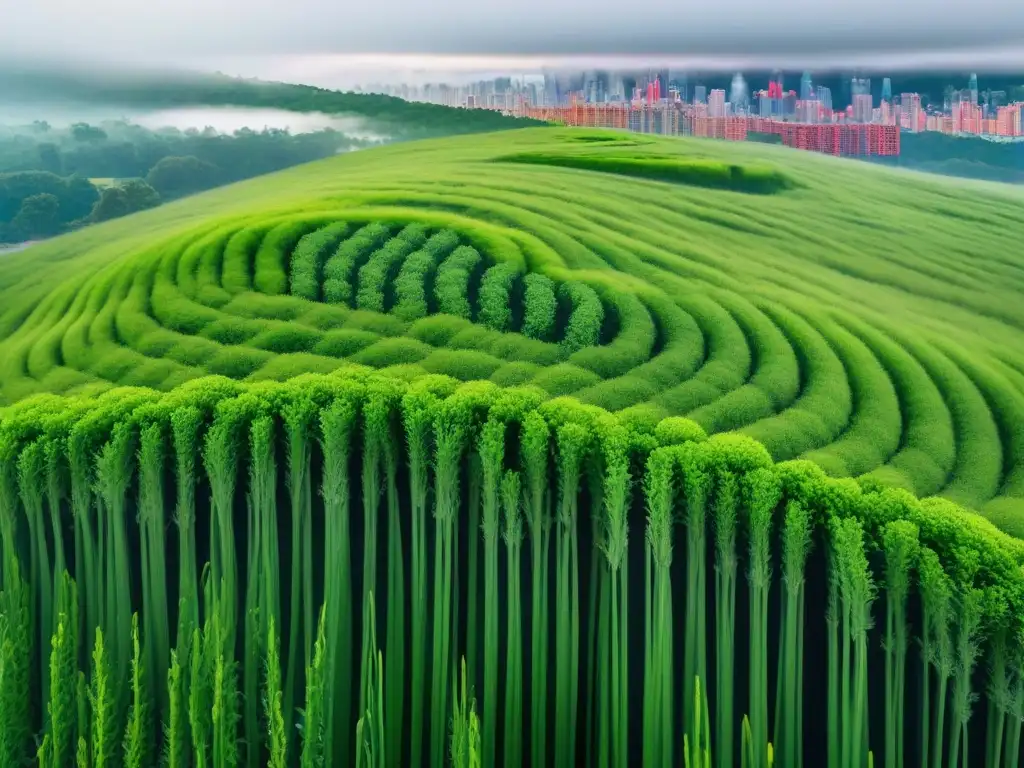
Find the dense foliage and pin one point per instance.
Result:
(219, 575)
(966, 156)
(120, 149)
(156, 166)
(700, 173)
(387, 114)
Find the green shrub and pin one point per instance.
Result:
(286, 337)
(439, 330)
(340, 269)
(514, 346)
(539, 307)
(701, 173)
(412, 286)
(309, 257)
(453, 282)
(239, 257)
(462, 364)
(375, 275)
(270, 275)
(515, 373)
(344, 342)
(387, 352)
(260, 307)
(496, 296)
(232, 330)
(585, 316)
(564, 379)
(286, 366)
(382, 325)
(236, 362)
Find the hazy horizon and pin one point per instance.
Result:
(344, 71)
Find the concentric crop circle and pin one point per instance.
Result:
(815, 305)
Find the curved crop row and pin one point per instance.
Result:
(377, 273)
(412, 286)
(453, 280)
(341, 266)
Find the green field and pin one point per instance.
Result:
(604, 285)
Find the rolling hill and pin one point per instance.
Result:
(487, 392)
(865, 319)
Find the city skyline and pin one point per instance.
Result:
(806, 116)
(606, 86)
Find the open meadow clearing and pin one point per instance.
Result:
(540, 447)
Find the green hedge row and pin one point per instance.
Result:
(181, 569)
(340, 270)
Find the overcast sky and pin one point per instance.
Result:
(781, 32)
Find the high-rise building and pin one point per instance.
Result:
(910, 111)
(663, 77)
(824, 95)
(716, 103)
(788, 104)
(700, 94)
(738, 96)
(806, 88)
(972, 86)
(862, 106)
(809, 111)
(887, 90)
(678, 80)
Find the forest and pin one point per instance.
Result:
(54, 179)
(390, 115)
(965, 156)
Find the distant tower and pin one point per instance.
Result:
(973, 88)
(738, 94)
(777, 78)
(806, 88)
(887, 90)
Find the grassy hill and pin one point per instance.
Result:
(613, 300)
(862, 318)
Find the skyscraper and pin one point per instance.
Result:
(677, 79)
(862, 107)
(700, 94)
(738, 94)
(716, 103)
(860, 99)
(806, 88)
(663, 76)
(887, 90)
(973, 88)
(824, 95)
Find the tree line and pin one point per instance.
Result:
(47, 173)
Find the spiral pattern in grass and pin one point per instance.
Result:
(832, 311)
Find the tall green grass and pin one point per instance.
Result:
(385, 457)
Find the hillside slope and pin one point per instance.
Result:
(865, 318)
(388, 115)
